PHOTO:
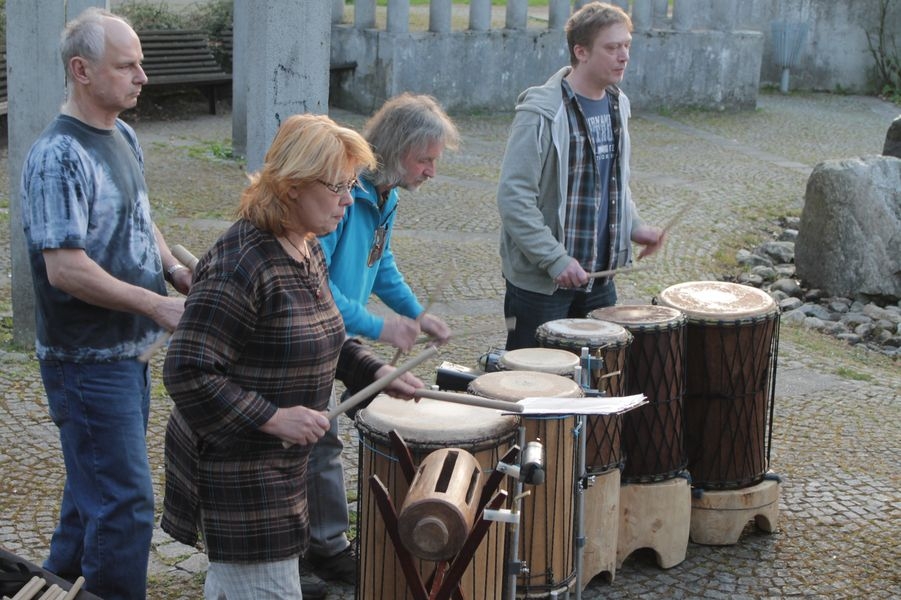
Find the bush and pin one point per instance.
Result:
(150, 15)
(884, 49)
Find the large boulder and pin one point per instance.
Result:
(849, 241)
(893, 139)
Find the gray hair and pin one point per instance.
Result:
(84, 36)
(404, 123)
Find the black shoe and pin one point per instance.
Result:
(340, 567)
(312, 587)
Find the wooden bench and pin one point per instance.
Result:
(4, 104)
(182, 57)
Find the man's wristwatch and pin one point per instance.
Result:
(171, 271)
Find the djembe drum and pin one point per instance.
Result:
(731, 347)
(425, 426)
(547, 518)
(652, 434)
(607, 344)
(545, 360)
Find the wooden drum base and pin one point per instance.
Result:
(601, 525)
(719, 516)
(656, 516)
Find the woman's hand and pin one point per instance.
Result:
(297, 425)
(402, 387)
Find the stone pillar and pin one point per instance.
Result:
(558, 13)
(287, 68)
(36, 89)
(364, 13)
(398, 16)
(722, 15)
(480, 15)
(240, 46)
(440, 16)
(685, 14)
(337, 11)
(517, 14)
(642, 15)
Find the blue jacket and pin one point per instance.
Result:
(351, 280)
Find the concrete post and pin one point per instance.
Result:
(558, 13)
(480, 15)
(440, 16)
(661, 10)
(36, 90)
(398, 16)
(240, 46)
(623, 4)
(642, 16)
(287, 68)
(722, 16)
(337, 11)
(364, 13)
(684, 14)
(517, 14)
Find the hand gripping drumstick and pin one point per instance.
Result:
(377, 385)
(470, 400)
(190, 261)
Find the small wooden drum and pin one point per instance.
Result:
(546, 524)
(652, 434)
(545, 360)
(426, 426)
(731, 347)
(608, 345)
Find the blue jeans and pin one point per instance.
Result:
(106, 517)
(326, 495)
(531, 310)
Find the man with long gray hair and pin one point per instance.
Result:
(408, 135)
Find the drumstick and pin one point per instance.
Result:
(189, 260)
(31, 588)
(469, 399)
(677, 217)
(510, 323)
(76, 587)
(183, 256)
(377, 385)
(428, 305)
(611, 272)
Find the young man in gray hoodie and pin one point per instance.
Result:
(564, 199)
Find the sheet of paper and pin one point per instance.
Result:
(601, 405)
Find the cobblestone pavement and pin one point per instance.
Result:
(836, 442)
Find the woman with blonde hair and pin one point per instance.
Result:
(251, 366)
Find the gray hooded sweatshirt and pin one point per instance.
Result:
(531, 195)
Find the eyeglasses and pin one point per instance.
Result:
(340, 188)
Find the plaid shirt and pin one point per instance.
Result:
(582, 224)
(260, 331)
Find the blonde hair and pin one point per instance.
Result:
(584, 25)
(306, 148)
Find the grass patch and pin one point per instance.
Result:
(848, 373)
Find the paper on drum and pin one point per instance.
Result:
(601, 405)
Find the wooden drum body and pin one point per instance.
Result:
(652, 439)
(425, 426)
(731, 348)
(547, 517)
(609, 343)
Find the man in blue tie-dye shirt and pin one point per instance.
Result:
(99, 267)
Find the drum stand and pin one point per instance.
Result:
(444, 581)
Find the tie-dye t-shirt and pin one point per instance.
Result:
(84, 187)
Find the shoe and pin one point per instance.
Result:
(312, 587)
(340, 567)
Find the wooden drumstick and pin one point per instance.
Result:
(30, 589)
(435, 293)
(469, 399)
(189, 260)
(612, 272)
(183, 256)
(377, 385)
(76, 587)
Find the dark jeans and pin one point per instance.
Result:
(106, 517)
(531, 310)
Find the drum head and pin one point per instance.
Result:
(545, 360)
(583, 332)
(434, 421)
(639, 315)
(718, 300)
(516, 385)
